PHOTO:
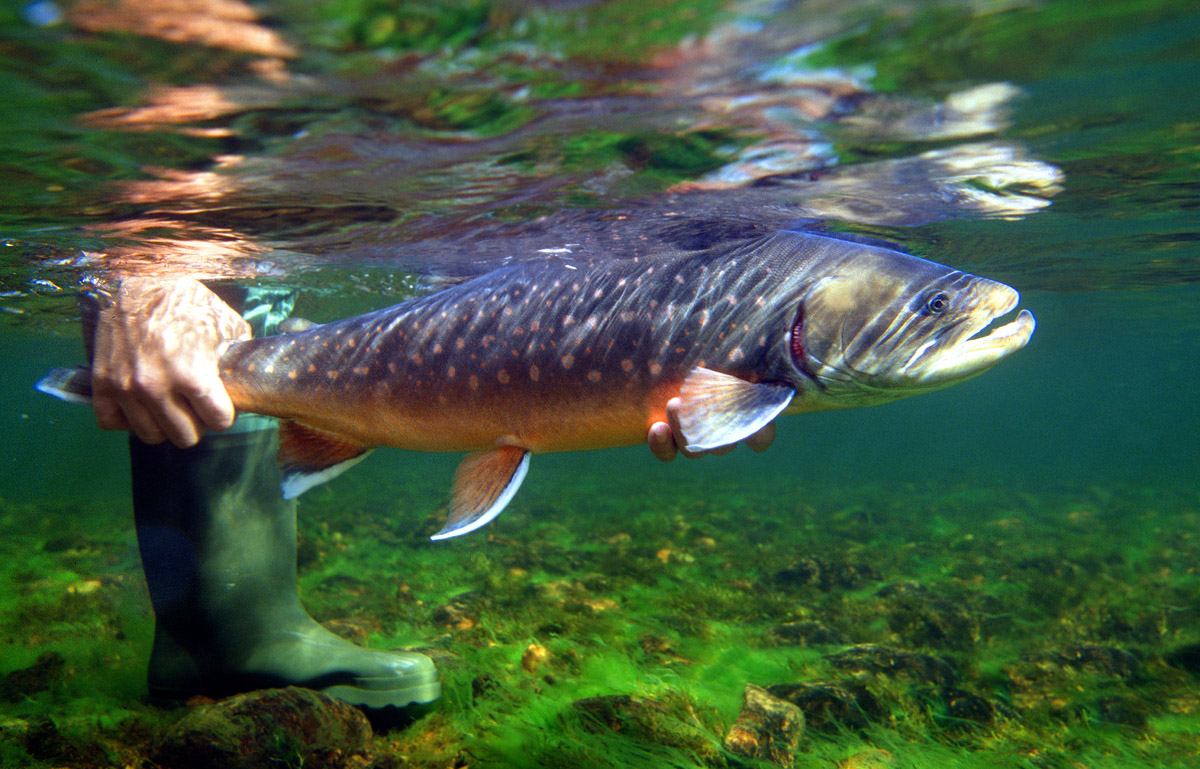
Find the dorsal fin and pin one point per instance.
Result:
(718, 409)
(309, 457)
(483, 486)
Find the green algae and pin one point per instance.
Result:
(677, 610)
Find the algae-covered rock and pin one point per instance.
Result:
(265, 730)
(804, 633)
(877, 658)
(674, 725)
(41, 675)
(768, 728)
(1185, 658)
(830, 705)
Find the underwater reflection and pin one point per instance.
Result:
(227, 24)
(721, 138)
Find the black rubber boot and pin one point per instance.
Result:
(218, 546)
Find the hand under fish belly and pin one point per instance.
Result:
(552, 357)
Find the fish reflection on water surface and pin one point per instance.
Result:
(551, 356)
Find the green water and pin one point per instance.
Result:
(1002, 526)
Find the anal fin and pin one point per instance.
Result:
(483, 486)
(718, 409)
(309, 457)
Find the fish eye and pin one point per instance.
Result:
(937, 304)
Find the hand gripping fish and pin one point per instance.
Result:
(551, 356)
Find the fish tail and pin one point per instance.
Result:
(73, 385)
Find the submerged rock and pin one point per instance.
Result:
(875, 658)
(804, 633)
(963, 707)
(830, 705)
(267, 729)
(825, 576)
(41, 675)
(653, 721)
(1105, 660)
(768, 728)
(1186, 658)
(924, 618)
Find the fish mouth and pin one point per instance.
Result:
(981, 344)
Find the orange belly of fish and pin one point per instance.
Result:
(538, 421)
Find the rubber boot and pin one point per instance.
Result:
(218, 546)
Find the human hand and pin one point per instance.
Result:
(663, 443)
(154, 369)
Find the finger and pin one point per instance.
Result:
(211, 403)
(722, 450)
(108, 414)
(762, 440)
(662, 444)
(141, 422)
(175, 417)
(673, 406)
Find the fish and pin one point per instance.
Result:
(552, 356)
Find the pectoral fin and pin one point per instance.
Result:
(308, 457)
(718, 409)
(483, 486)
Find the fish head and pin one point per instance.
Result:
(888, 325)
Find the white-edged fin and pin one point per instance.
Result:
(483, 486)
(718, 409)
(73, 385)
(308, 457)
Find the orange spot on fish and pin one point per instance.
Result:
(568, 361)
(437, 349)
(736, 355)
(627, 365)
(331, 374)
(593, 376)
(291, 375)
(450, 372)
(459, 343)
(533, 373)
(502, 376)
(655, 368)
(473, 382)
